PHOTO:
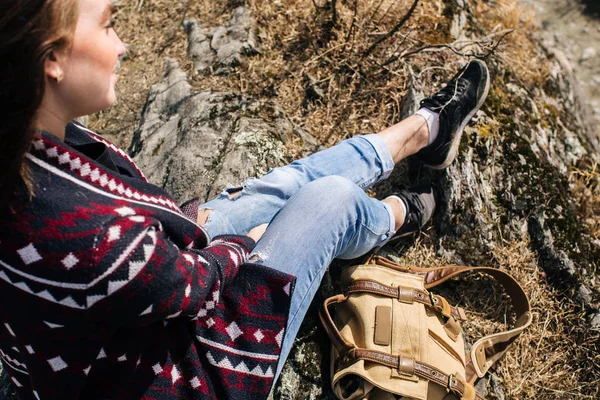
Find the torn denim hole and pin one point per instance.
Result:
(203, 216)
(234, 192)
(256, 257)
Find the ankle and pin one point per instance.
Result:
(422, 136)
(398, 209)
(406, 137)
(432, 119)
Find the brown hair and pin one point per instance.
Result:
(29, 31)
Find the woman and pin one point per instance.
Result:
(109, 290)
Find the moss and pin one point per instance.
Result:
(542, 187)
(551, 110)
(486, 131)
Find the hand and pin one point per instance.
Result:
(257, 232)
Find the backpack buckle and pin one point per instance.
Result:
(451, 386)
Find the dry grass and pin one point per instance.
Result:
(585, 183)
(304, 46)
(556, 357)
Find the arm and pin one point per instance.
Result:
(148, 278)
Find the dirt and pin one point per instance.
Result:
(573, 27)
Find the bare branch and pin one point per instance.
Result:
(375, 11)
(394, 29)
(352, 26)
(387, 10)
(486, 44)
(334, 12)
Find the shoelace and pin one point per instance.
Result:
(452, 90)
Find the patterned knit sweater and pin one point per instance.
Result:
(108, 291)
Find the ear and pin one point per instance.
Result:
(53, 67)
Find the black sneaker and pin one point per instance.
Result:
(421, 204)
(456, 103)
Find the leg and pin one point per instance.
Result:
(328, 218)
(363, 160)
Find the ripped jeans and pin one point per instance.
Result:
(317, 210)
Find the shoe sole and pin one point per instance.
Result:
(454, 149)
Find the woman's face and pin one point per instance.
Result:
(89, 68)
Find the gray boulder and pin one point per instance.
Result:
(195, 144)
(222, 49)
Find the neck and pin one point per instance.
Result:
(53, 115)
(51, 122)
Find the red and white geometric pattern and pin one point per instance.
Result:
(118, 259)
(258, 335)
(225, 363)
(57, 364)
(95, 175)
(29, 254)
(70, 261)
(234, 331)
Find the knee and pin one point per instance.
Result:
(333, 184)
(284, 179)
(334, 191)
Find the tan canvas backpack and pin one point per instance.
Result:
(393, 338)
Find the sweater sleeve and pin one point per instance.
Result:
(143, 277)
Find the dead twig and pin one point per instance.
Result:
(334, 12)
(385, 13)
(395, 29)
(487, 44)
(352, 26)
(375, 11)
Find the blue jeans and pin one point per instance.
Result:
(317, 210)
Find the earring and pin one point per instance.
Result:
(59, 77)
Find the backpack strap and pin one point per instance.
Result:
(487, 350)
(407, 295)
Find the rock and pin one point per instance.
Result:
(195, 144)
(497, 392)
(199, 50)
(594, 320)
(584, 294)
(412, 98)
(556, 263)
(458, 24)
(588, 54)
(83, 120)
(224, 48)
(289, 383)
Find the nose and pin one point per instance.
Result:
(120, 46)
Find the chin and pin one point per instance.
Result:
(110, 100)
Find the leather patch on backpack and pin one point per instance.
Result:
(383, 325)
